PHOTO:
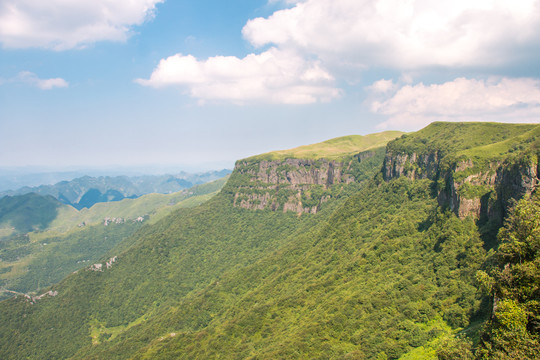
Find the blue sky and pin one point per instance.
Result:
(200, 84)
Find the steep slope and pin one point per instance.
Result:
(384, 267)
(168, 262)
(387, 276)
(302, 179)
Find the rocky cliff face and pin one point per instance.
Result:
(463, 186)
(299, 185)
(413, 166)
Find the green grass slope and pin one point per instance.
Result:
(334, 148)
(455, 137)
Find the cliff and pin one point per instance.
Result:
(477, 169)
(302, 179)
(299, 185)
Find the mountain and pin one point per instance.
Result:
(71, 239)
(364, 253)
(85, 191)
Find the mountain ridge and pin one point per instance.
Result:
(85, 191)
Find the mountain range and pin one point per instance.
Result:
(43, 240)
(386, 246)
(85, 191)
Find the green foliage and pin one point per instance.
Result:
(455, 348)
(55, 257)
(349, 286)
(360, 279)
(470, 191)
(514, 331)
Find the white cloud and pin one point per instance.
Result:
(64, 24)
(382, 86)
(44, 84)
(273, 76)
(494, 99)
(404, 34)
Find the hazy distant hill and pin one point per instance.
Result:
(68, 239)
(86, 191)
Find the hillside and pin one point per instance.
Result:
(75, 239)
(27, 212)
(378, 258)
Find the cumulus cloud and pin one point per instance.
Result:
(273, 76)
(494, 99)
(404, 34)
(313, 41)
(61, 24)
(32, 79)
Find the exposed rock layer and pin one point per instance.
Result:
(299, 185)
(465, 189)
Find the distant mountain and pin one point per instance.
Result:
(68, 240)
(86, 191)
(11, 179)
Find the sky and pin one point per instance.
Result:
(197, 85)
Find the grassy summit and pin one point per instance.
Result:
(334, 148)
(453, 137)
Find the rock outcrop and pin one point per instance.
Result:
(299, 185)
(463, 186)
(413, 166)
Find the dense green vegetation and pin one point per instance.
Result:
(36, 265)
(455, 137)
(351, 287)
(176, 256)
(382, 271)
(514, 283)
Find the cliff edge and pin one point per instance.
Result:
(302, 179)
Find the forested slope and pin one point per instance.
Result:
(395, 257)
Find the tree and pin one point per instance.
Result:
(514, 329)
